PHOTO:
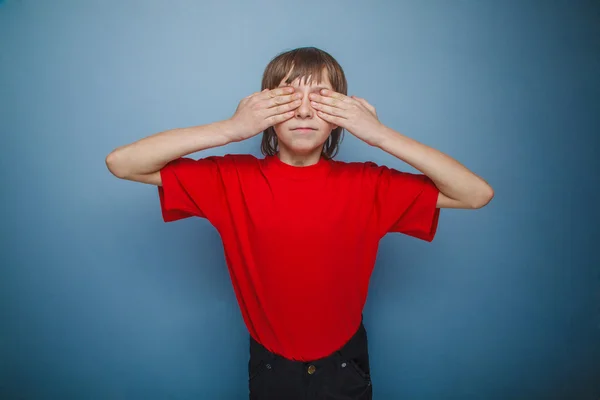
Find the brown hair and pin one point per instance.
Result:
(305, 61)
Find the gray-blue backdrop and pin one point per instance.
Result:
(99, 299)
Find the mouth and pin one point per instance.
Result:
(304, 129)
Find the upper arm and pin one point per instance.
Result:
(152, 178)
(444, 201)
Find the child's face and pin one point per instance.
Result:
(297, 141)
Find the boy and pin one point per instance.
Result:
(300, 231)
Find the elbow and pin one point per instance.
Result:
(483, 198)
(114, 166)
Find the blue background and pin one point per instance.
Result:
(99, 299)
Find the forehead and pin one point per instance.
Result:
(308, 80)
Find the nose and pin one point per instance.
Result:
(305, 110)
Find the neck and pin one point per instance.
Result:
(299, 159)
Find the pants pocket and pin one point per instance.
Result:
(359, 371)
(354, 381)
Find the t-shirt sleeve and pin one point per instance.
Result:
(192, 188)
(406, 203)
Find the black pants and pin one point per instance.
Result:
(345, 374)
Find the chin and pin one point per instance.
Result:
(304, 149)
(302, 146)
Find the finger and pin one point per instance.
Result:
(339, 112)
(335, 95)
(279, 118)
(253, 94)
(269, 94)
(329, 101)
(361, 101)
(275, 101)
(364, 103)
(283, 108)
(331, 118)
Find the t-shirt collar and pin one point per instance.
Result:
(298, 172)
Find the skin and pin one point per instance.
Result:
(142, 160)
(288, 107)
(459, 187)
(301, 148)
(325, 109)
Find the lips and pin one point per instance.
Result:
(304, 128)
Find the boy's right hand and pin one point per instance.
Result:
(261, 110)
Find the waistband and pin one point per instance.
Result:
(356, 346)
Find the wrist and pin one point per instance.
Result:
(383, 136)
(230, 130)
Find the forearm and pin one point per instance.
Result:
(451, 177)
(151, 153)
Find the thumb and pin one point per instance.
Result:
(363, 102)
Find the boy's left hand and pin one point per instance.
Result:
(354, 114)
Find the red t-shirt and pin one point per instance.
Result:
(300, 242)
